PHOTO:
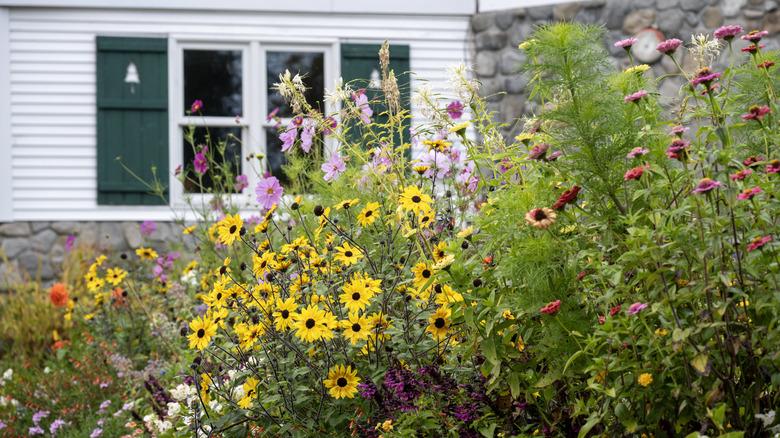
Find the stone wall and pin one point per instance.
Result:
(35, 250)
(496, 36)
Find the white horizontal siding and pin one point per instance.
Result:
(52, 85)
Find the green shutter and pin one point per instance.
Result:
(132, 119)
(358, 61)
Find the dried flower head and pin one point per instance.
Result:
(704, 49)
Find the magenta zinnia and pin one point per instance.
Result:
(626, 43)
(455, 109)
(756, 112)
(706, 185)
(728, 32)
(678, 150)
(748, 194)
(635, 97)
(669, 46)
(758, 242)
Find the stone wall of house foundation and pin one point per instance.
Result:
(496, 36)
(35, 250)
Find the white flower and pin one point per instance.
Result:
(46, 370)
(8, 374)
(767, 418)
(204, 431)
(187, 420)
(338, 94)
(238, 393)
(162, 425)
(215, 406)
(182, 392)
(173, 409)
(704, 49)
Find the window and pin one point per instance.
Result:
(234, 80)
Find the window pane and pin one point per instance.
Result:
(274, 155)
(214, 77)
(310, 65)
(218, 139)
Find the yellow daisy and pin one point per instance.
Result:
(422, 274)
(356, 328)
(412, 199)
(284, 315)
(368, 214)
(347, 255)
(310, 324)
(146, 253)
(250, 393)
(202, 331)
(342, 381)
(229, 229)
(439, 323)
(115, 276)
(359, 291)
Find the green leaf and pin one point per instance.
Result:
(718, 415)
(571, 359)
(514, 384)
(700, 363)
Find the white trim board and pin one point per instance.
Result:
(6, 181)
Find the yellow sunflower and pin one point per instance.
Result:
(439, 323)
(347, 255)
(115, 276)
(250, 393)
(229, 229)
(248, 334)
(446, 295)
(359, 291)
(347, 204)
(356, 328)
(342, 381)
(202, 331)
(285, 313)
(423, 272)
(440, 144)
(440, 251)
(146, 253)
(368, 214)
(311, 325)
(426, 217)
(412, 199)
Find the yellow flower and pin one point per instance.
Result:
(250, 393)
(190, 266)
(524, 137)
(412, 199)
(347, 203)
(426, 217)
(446, 295)
(540, 217)
(645, 379)
(466, 232)
(359, 291)
(342, 381)
(189, 230)
(202, 331)
(100, 260)
(422, 273)
(229, 229)
(661, 332)
(356, 328)
(507, 314)
(146, 253)
(368, 215)
(386, 425)
(284, 315)
(115, 275)
(347, 255)
(460, 127)
(440, 145)
(248, 334)
(439, 323)
(421, 168)
(311, 325)
(520, 344)
(641, 68)
(439, 251)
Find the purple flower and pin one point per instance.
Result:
(626, 43)
(56, 425)
(756, 112)
(334, 167)
(269, 192)
(307, 134)
(678, 150)
(539, 151)
(367, 390)
(35, 430)
(754, 36)
(330, 125)
(637, 152)
(704, 76)
(38, 416)
(361, 101)
(69, 242)
(289, 135)
(148, 227)
(272, 114)
(636, 308)
(200, 162)
(728, 32)
(96, 432)
(554, 155)
(196, 106)
(104, 406)
(669, 46)
(241, 183)
(706, 185)
(635, 97)
(2, 425)
(455, 109)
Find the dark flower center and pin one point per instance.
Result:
(346, 205)
(285, 314)
(348, 253)
(356, 296)
(416, 199)
(425, 219)
(201, 333)
(219, 296)
(232, 229)
(310, 323)
(426, 273)
(369, 213)
(439, 323)
(355, 327)
(342, 382)
(540, 215)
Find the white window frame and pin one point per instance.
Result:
(254, 102)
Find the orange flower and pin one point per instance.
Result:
(58, 295)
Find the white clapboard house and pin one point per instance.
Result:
(85, 81)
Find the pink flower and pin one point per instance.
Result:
(269, 192)
(706, 185)
(678, 150)
(551, 308)
(728, 32)
(539, 151)
(704, 76)
(241, 183)
(773, 166)
(678, 130)
(636, 308)
(69, 242)
(626, 43)
(602, 319)
(148, 227)
(758, 242)
(637, 152)
(756, 112)
(554, 155)
(289, 135)
(200, 163)
(635, 97)
(272, 114)
(753, 48)
(334, 167)
(196, 106)
(455, 109)
(742, 174)
(766, 64)
(748, 194)
(361, 101)
(669, 46)
(755, 36)
(307, 135)
(635, 173)
(752, 160)
(330, 125)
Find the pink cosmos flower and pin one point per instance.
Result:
(755, 36)
(361, 101)
(669, 46)
(748, 194)
(636, 308)
(706, 185)
(289, 135)
(678, 150)
(196, 106)
(626, 43)
(148, 227)
(455, 109)
(200, 163)
(539, 151)
(241, 183)
(635, 173)
(758, 242)
(742, 174)
(635, 97)
(756, 112)
(637, 152)
(269, 192)
(334, 167)
(272, 114)
(307, 135)
(773, 166)
(728, 32)
(330, 125)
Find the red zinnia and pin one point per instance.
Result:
(773, 166)
(567, 197)
(551, 308)
(753, 160)
(742, 174)
(58, 294)
(615, 310)
(635, 173)
(756, 112)
(748, 194)
(758, 242)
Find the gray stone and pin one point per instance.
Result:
(753, 14)
(540, 12)
(491, 40)
(731, 8)
(65, 227)
(667, 4)
(638, 20)
(35, 266)
(492, 89)
(614, 12)
(15, 229)
(485, 64)
(516, 84)
(43, 241)
(588, 16)
(13, 246)
(504, 20)
(693, 5)
(110, 236)
(480, 22)
(712, 17)
(511, 61)
(132, 234)
(512, 107)
(38, 226)
(692, 18)
(670, 22)
(756, 2)
(643, 3)
(772, 22)
(87, 234)
(771, 6)
(566, 11)
(519, 32)
(10, 275)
